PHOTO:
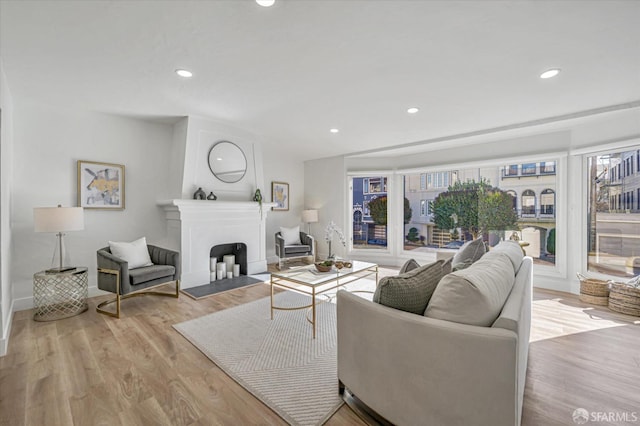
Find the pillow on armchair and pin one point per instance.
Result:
(135, 253)
(291, 236)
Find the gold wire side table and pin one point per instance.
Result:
(60, 295)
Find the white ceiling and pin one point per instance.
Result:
(291, 72)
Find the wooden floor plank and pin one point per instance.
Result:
(93, 369)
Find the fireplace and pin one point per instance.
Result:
(239, 250)
(195, 226)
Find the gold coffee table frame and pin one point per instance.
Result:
(304, 281)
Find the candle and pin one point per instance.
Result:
(229, 260)
(221, 267)
(229, 275)
(236, 270)
(212, 264)
(212, 276)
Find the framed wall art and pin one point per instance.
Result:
(280, 195)
(100, 185)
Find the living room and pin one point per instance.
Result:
(316, 95)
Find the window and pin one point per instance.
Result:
(613, 218)
(511, 170)
(526, 202)
(374, 185)
(548, 167)
(423, 181)
(369, 212)
(438, 180)
(547, 202)
(529, 169)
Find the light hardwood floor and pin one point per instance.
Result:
(92, 369)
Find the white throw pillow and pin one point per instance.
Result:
(291, 236)
(136, 252)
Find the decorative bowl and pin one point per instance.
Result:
(323, 267)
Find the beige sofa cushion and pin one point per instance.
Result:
(411, 291)
(513, 250)
(474, 295)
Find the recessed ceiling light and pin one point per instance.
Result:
(550, 73)
(412, 110)
(184, 73)
(265, 3)
(334, 130)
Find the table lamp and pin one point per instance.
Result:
(59, 220)
(309, 217)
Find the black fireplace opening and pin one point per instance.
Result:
(239, 250)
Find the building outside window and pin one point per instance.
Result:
(548, 167)
(528, 202)
(529, 169)
(511, 170)
(613, 216)
(535, 215)
(547, 202)
(369, 194)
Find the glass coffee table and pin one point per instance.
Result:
(309, 281)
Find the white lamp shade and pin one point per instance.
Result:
(310, 216)
(58, 219)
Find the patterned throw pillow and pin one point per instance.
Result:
(409, 265)
(411, 291)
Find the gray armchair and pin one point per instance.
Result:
(115, 276)
(296, 251)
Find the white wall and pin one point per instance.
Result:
(201, 135)
(48, 142)
(280, 167)
(326, 191)
(6, 167)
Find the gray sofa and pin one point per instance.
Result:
(413, 369)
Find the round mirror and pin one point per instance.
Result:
(227, 162)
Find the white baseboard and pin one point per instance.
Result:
(4, 341)
(22, 304)
(25, 303)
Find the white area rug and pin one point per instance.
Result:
(277, 361)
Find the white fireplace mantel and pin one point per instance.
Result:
(194, 226)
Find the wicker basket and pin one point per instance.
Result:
(594, 291)
(625, 299)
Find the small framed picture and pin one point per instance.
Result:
(100, 185)
(280, 195)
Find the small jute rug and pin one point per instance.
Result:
(276, 360)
